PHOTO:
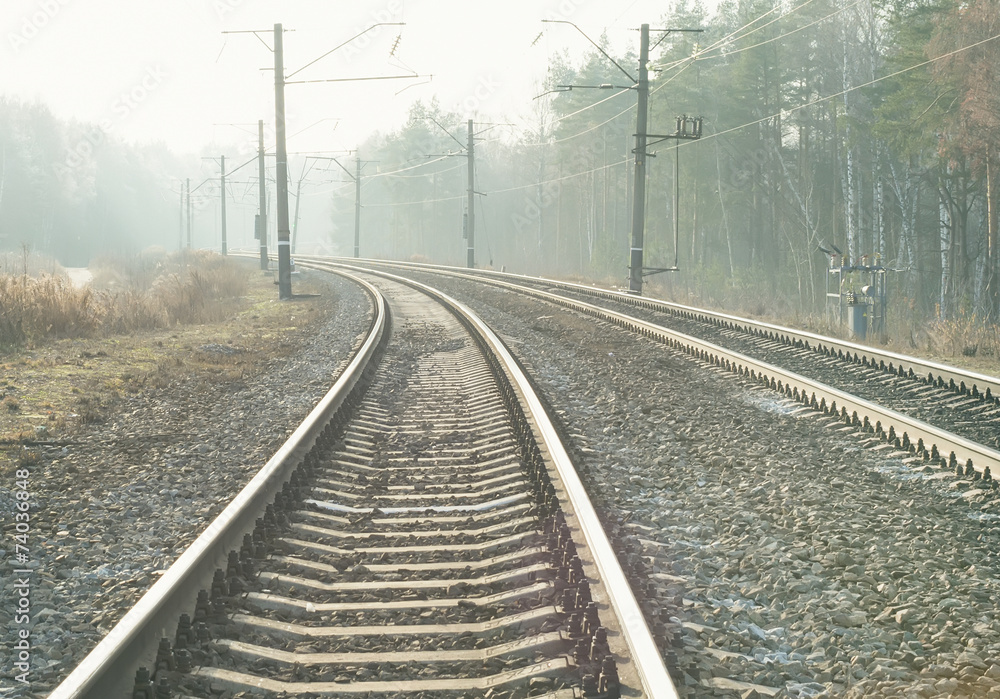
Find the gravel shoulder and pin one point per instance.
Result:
(115, 500)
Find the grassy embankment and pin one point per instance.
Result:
(71, 356)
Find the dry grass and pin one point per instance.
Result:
(29, 263)
(967, 342)
(149, 291)
(55, 385)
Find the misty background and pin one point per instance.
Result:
(868, 126)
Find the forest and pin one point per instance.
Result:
(71, 190)
(865, 127)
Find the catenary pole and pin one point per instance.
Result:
(224, 247)
(187, 186)
(470, 149)
(281, 169)
(180, 232)
(357, 207)
(295, 228)
(677, 199)
(262, 194)
(639, 186)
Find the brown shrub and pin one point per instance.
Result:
(129, 295)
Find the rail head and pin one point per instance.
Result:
(108, 670)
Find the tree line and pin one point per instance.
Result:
(71, 190)
(868, 127)
(865, 127)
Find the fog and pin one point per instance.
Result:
(867, 128)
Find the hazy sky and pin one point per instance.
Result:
(163, 69)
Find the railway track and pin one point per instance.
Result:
(801, 552)
(422, 534)
(962, 402)
(934, 413)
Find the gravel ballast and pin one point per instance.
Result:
(113, 508)
(787, 553)
(780, 551)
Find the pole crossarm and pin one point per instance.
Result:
(668, 32)
(347, 80)
(688, 129)
(342, 45)
(322, 157)
(677, 136)
(257, 33)
(203, 182)
(602, 86)
(570, 88)
(252, 160)
(650, 271)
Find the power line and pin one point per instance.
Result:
(820, 100)
(689, 60)
(417, 177)
(624, 161)
(411, 167)
(727, 54)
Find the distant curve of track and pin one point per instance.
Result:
(937, 412)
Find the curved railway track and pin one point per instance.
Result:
(976, 385)
(963, 402)
(937, 414)
(422, 534)
(786, 557)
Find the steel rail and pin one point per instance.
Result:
(109, 669)
(646, 656)
(960, 380)
(903, 431)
